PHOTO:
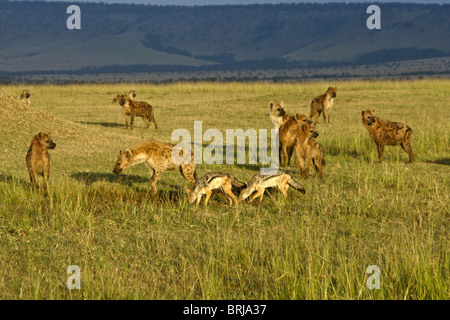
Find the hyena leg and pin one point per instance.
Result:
(147, 121)
(132, 121)
(152, 119)
(313, 112)
(290, 151)
(34, 179)
(324, 116)
(154, 180)
(406, 145)
(45, 175)
(380, 151)
(283, 149)
(301, 165)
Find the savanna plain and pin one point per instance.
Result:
(129, 245)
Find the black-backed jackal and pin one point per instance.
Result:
(260, 182)
(212, 181)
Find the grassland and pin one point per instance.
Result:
(313, 246)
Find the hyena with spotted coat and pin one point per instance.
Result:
(158, 158)
(38, 159)
(25, 96)
(323, 104)
(388, 133)
(133, 108)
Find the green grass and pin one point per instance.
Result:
(313, 246)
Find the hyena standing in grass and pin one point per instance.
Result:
(25, 96)
(323, 104)
(157, 156)
(133, 108)
(388, 133)
(287, 135)
(308, 151)
(38, 159)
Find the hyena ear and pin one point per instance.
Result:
(271, 105)
(363, 112)
(373, 111)
(282, 103)
(128, 153)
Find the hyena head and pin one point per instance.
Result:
(26, 93)
(332, 91)
(309, 128)
(300, 118)
(277, 109)
(123, 161)
(368, 117)
(121, 99)
(45, 140)
(132, 94)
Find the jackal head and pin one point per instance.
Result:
(368, 117)
(45, 140)
(245, 193)
(309, 128)
(192, 194)
(124, 161)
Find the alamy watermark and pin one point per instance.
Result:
(74, 280)
(235, 147)
(374, 280)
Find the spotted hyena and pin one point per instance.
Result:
(133, 108)
(388, 133)
(278, 115)
(323, 104)
(157, 156)
(306, 149)
(38, 159)
(25, 96)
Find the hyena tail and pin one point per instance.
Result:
(296, 186)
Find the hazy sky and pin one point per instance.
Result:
(222, 2)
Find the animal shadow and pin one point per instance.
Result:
(14, 180)
(444, 161)
(89, 178)
(104, 124)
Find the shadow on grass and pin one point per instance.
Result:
(15, 180)
(89, 178)
(444, 161)
(104, 124)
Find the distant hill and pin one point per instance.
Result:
(139, 38)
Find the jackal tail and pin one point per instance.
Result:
(296, 186)
(236, 183)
